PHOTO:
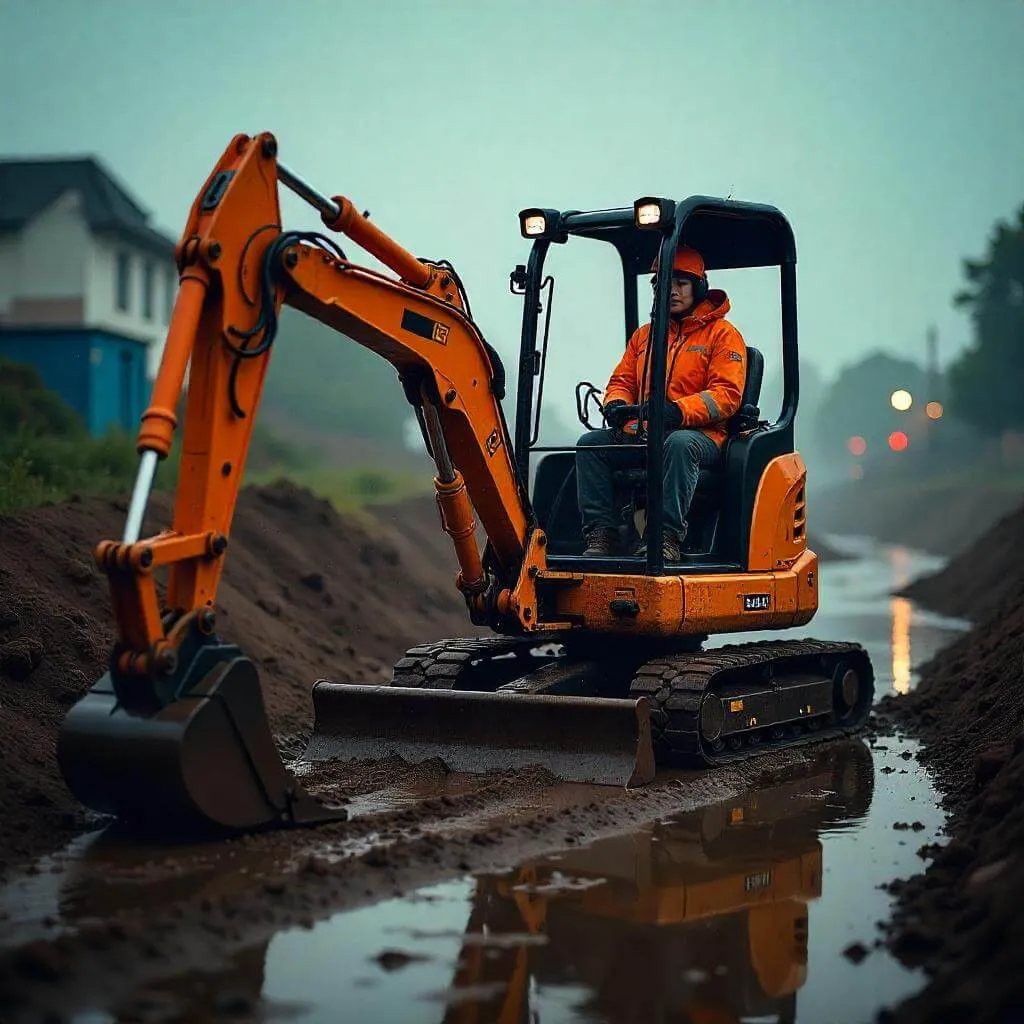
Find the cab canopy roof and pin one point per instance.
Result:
(728, 234)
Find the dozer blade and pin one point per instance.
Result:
(206, 761)
(578, 739)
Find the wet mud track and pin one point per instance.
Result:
(107, 918)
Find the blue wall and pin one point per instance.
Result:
(101, 375)
(119, 392)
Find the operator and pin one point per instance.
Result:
(706, 368)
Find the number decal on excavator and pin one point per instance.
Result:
(757, 602)
(757, 881)
(424, 327)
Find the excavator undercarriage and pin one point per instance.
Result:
(604, 718)
(597, 669)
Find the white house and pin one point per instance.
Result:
(86, 285)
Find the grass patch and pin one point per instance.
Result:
(38, 470)
(353, 490)
(46, 455)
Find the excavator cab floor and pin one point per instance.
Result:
(206, 762)
(578, 739)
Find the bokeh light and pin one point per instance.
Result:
(901, 400)
(898, 441)
(856, 445)
(934, 410)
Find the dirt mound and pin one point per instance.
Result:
(963, 919)
(975, 583)
(306, 592)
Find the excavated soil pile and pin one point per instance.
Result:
(975, 583)
(963, 919)
(306, 592)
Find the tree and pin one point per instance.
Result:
(987, 381)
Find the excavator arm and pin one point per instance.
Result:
(237, 268)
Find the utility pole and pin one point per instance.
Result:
(933, 385)
(932, 365)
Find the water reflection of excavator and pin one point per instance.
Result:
(702, 918)
(596, 669)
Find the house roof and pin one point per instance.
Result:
(28, 186)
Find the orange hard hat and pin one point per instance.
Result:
(686, 261)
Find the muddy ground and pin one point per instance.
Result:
(963, 918)
(309, 593)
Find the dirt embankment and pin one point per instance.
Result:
(306, 592)
(963, 918)
(976, 582)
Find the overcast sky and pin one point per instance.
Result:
(891, 132)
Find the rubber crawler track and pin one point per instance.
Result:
(676, 686)
(445, 664)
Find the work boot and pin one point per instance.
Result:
(602, 542)
(671, 548)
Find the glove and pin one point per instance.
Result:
(673, 415)
(617, 414)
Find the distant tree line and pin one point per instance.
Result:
(986, 383)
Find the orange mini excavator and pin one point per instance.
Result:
(596, 668)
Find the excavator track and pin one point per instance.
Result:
(483, 663)
(731, 703)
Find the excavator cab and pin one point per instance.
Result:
(731, 236)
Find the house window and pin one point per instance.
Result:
(123, 281)
(147, 290)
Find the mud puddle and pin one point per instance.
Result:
(764, 907)
(450, 898)
(761, 907)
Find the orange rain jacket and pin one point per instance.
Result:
(706, 368)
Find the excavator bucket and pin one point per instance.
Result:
(206, 761)
(578, 739)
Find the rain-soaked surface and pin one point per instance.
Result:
(740, 911)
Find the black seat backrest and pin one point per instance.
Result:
(748, 414)
(755, 375)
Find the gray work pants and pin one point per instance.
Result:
(686, 452)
